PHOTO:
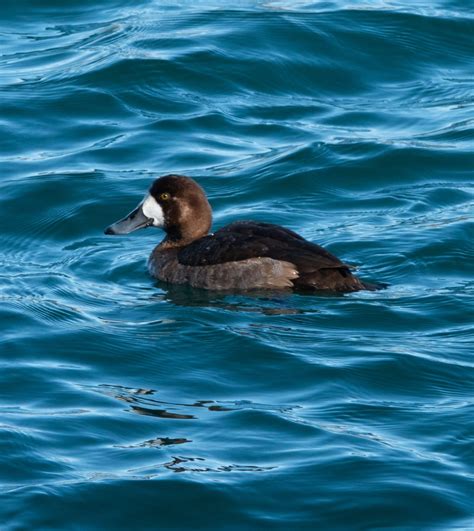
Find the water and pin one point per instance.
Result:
(128, 404)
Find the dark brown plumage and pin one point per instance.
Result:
(243, 255)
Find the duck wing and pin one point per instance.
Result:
(250, 239)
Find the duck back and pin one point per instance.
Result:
(265, 255)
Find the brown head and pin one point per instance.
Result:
(175, 203)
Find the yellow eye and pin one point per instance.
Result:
(165, 196)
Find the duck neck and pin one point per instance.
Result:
(180, 236)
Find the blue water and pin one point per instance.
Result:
(130, 404)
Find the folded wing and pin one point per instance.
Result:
(249, 239)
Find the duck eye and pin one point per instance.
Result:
(165, 196)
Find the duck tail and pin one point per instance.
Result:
(339, 280)
(374, 286)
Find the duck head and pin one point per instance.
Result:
(175, 203)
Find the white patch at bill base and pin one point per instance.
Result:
(153, 210)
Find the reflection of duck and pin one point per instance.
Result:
(241, 256)
(265, 301)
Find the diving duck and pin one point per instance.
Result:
(244, 255)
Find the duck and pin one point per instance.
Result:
(242, 256)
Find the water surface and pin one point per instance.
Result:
(129, 404)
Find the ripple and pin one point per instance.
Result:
(158, 442)
(180, 464)
(352, 126)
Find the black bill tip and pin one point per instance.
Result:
(109, 230)
(135, 220)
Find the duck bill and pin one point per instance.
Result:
(134, 221)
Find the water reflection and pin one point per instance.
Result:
(180, 464)
(267, 302)
(142, 403)
(157, 442)
(162, 413)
